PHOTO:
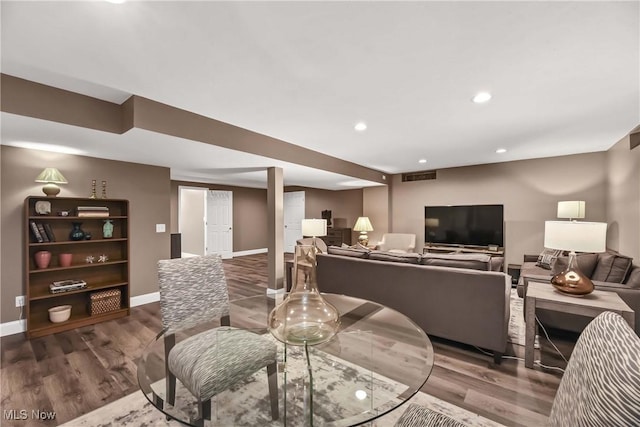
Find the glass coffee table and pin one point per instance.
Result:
(377, 361)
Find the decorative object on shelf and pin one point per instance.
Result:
(93, 190)
(76, 231)
(65, 260)
(51, 177)
(103, 258)
(90, 259)
(63, 213)
(104, 189)
(304, 317)
(107, 229)
(60, 313)
(87, 235)
(43, 207)
(363, 225)
(574, 236)
(42, 259)
(104, 301)
(326, 215)
(573, 209)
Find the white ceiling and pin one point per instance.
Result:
(564, 78)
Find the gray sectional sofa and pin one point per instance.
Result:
(609, 271)
(452, 297)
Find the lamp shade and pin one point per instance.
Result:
(575, 236)
(363, 224)
(314, 227)
(51, 175)
(571, 209)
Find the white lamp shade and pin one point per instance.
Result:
(571, 209)
(575, 236)
(363, 224)
(314, 227)
(52, 175)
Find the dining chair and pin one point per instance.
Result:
(194, 291)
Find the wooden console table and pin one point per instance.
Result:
(544, 295)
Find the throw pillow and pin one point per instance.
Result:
(410, 258)
(547, 257)
(612, 267)
(634, 278)
(357, 253)
(586, 263)
(470, 261)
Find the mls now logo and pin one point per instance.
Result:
(14, 414)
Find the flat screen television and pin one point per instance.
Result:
(473, 225)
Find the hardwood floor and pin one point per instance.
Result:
(77, 371)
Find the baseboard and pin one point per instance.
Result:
(14, 327)
(251, 252)
(144, 299)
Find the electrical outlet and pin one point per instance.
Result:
(20, 301)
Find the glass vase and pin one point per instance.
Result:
(76, 231)
(304, 317)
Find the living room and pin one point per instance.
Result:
(607, 179)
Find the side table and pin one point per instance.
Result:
(543, 295)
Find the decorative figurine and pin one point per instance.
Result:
(107, 229)
(103, 258)
(93, 189)
(90, 259)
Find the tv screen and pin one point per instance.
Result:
(474, 225)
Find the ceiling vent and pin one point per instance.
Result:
(418, 176)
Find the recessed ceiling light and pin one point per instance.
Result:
(360, 126)
(501, 150)
(422, 161)
(481, 97)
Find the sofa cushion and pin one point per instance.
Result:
(612, 267)
(547, 257)
(470, 261)
(586, 263)
(357, 253)
(411, 258)
(496, 263)
(634, 278)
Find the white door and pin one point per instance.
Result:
(191, 220)
(220, 223)
(293, 216)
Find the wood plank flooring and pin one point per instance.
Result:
(77, 371)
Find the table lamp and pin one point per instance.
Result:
(314, 228)
(52, 177)
(571, 209)
(363, 225)
(574, 236)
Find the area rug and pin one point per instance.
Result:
(231, 410)
(517, 328)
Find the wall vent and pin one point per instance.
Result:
(418, 176)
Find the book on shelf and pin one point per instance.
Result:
(93, 214)
(92, 208)
(43, 233)
(67, 285)
(35, 232)
(49, 232)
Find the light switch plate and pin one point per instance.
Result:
(160, 228)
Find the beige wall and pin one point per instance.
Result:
(623, 199)
(528, 189)
(146, 188)
(249, 214)
(375, 205)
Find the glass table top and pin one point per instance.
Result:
(377, 360)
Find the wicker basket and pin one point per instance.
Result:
(104, 301)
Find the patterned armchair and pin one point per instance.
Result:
(194, 291)
(600, 387)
